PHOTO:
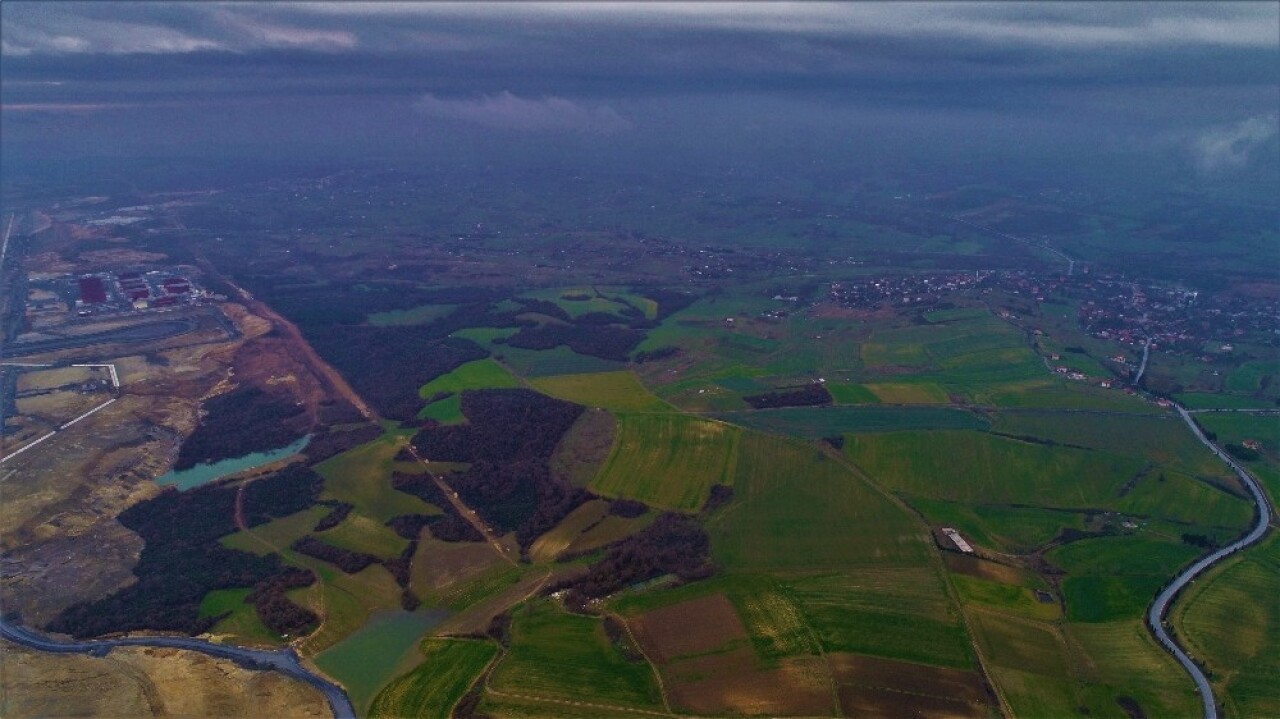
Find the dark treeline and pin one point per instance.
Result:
(351, 302)
(628, 508)
(508, 440)
(182, 560)
(810, 395)
(448, 527)
(240, 422)
(654, 355)
(334, 517)
(721, 494)
(329, 442)
(276, 611)
(669, 301)
(344, 559)
(673, 544)
(608, 342)
(387, 365)
(409, 526)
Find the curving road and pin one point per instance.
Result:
(284, 661)
(1160, 607)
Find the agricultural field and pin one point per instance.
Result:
(818, 422)
(792, 498)
(1226, 626)
(669, 461)
(555, 655)
(614, 391)
(479, 374)
(968, 466)
(362, 477)
(449, 667)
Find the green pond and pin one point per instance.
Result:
(202, 473)
(376, 654)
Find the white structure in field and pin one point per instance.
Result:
(954, 536)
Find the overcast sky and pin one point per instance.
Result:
(1200, 79)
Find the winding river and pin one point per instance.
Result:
(284, 661)
(1160, 607)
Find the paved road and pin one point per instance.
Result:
(1160, 608)
(141, 332)
(284, 661)
(1142, 368)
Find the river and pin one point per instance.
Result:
(284, 661)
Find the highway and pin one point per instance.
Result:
(284, 661)
(1159, 610)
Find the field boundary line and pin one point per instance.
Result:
(657, 675)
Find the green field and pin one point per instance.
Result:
(897, 613)
(1115, 578)
(565, 656)
(480, 374)
(242, 623)
(362, 477)
(668, 461)
(614, 391)
(1163, 440)
(908, 393)
(970, 466)
(362, 534)
(431, 690)
(1230, 620)
(851, 393)
(369, 658)
(817, 422)
(796, 508)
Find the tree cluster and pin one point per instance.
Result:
(608, 342)
(673, 544)
(240, 422)
(330, 442)
(344, 559)
(721, 494)
(276, 611)
(508, 441)
(182, 560)
(387, 365)
(627, 508)
(335, 517)
(447, 527)
(653, 355)
(810, 395)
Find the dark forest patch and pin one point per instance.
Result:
(182, 560)
(240, 422)
(608, 342)
(673, 544)
(810, 395)
(508, 440)
(387, 365)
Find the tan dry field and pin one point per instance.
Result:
(59, 406)
(870, 686)
(59, 377)
(144, 682)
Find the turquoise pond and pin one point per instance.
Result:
(204, 473)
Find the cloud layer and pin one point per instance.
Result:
(1231, 147)
(508, 112)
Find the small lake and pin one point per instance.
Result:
(365, 661)
(202, 473)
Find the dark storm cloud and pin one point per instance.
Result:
(1127, 72)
